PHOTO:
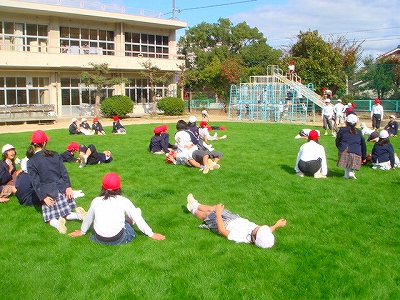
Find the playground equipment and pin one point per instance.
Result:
(274, 98)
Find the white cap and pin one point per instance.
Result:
(7, 147)
(393, 116)
(265, 238)
(192, 119)
(339, 100)
(349, 104)
(84, 119)
(74, 120)
(384, 134)
(327, 100)
(353, 119)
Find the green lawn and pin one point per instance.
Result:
(341, 240)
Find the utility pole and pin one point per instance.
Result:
(173, 10)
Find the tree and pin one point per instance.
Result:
(381, 76)
(155, 76)
(324, 63)
(209, 49)
(99, 78)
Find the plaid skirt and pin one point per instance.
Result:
(6, 190)
(210, 222)
(61, 208)
(349, 160)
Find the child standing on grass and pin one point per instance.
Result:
(113, 216)
(52, 184)
(232, 226)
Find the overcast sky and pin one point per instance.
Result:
(376, 22)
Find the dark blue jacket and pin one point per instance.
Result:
(67, 156)
(353, 143)
(392, 127)
(25, 193)
(383, 153)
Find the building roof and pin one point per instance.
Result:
(394, 52)
(90, 11)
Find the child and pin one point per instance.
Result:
(159, 143)
(97, 127)
(376, 114)
(89, 155)
(199, 159)
(113, 216)
(392, 127)
(69, 154)
(205, 135)
(25, 193)
(117, 126)
(204, 114)
(221, 221)
(85, 127)
(7, 172)
(51, 182)
(383, 156)
(74, 128)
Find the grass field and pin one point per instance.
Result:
(341, 240)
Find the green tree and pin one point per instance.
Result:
(100, 79)
(155, 76)
(209, 49)
(324, 63)
(381, 75)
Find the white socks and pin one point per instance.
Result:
(54, 223)
(73, 216)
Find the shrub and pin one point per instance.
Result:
(348, 99)
(117, 105)
(171, 106)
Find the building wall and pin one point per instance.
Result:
(55, 59)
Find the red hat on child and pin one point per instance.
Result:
(164, 128)
(203, 124)
(39, 137)
(313, 135)
(116, 118)
(157, 129)
(111, 181)
(73, 146)
(377, 100)
(95, 119)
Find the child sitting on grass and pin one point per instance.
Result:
(113, 216)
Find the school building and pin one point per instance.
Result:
(46, 44)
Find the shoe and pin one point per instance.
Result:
(81, 213)
(223, 137)
(352, 175)
(215, 134)
(334, 134)
(319, 175)
(216, 166)
(301, 174)
(61, 226)
(326, 133)
(208, 167)
(82, 165)
(190, 202)
(83, 160)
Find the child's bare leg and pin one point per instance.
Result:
(202, 211)
(194, 163)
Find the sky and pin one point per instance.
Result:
(375, 23)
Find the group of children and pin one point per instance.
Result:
(96, 128)
(192, 146)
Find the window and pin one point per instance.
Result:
(146, 45)
(24, 90)
(23, 37)
(86, 41)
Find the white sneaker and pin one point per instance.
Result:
(352, 175)
(81, 213)
(190, 202)
(319, 175)
(215, 134)
(326, 133)
(208, 167)
(223, 137)
(216, 166)
(61, 226)
(301, 174)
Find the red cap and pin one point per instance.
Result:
(203, 124)
(377, 100)
(222, 127)
(291, 63)
(313, 135)
(157, 129)
(164, 128)
(95, 119)
(116, 118)
(73, 146)
(39, 137)
(111, 181)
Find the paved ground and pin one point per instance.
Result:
(64, 122)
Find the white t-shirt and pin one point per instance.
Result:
(240, 230)
(312, 151)
(108, 216)
(203, 132)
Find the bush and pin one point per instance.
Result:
(171, 106)
(117, 105)
(348, 99)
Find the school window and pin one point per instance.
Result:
(146, 45)
(23, 37)
(75, 40)
(24, 90)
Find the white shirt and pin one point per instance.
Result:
(338, 109)
(203, 133)
(184, 144)
(327, 110)
(240, 230)
(109, 216)
(367, 131)
(377, 109)
(312, 151)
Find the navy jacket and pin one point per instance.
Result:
(353, 143)
(5, 175)
(383, 153)
(67, 156)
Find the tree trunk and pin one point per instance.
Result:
(97, 105)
